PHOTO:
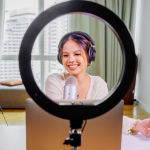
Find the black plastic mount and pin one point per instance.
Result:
(78, 112)
(75, 138)
(76, 124)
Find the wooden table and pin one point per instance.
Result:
(14, 138)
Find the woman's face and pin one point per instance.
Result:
(74, 58)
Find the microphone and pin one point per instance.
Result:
(70, 88)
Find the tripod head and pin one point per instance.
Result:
(75, 138)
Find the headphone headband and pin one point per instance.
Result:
(85, 35)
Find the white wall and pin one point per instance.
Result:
(142, 89)
(2, 6)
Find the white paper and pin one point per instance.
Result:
(135, 142)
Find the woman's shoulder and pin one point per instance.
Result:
(97, 80)
(56, 76)
(98, 87)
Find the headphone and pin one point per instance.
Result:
(91, 51)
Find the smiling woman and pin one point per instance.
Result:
(76, 52)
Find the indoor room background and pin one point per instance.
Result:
(16, 16)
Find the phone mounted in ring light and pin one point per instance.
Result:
(78, 112)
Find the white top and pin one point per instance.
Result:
(54, 88)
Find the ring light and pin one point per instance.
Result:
(78, 112)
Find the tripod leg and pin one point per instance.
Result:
(3, 114)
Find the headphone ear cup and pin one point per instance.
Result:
(59, 57)
(91, 54)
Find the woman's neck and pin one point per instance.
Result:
(81, 79)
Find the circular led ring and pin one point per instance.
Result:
(78, 112)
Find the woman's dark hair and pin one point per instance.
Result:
(76, 37)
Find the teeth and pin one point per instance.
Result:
(73, 66)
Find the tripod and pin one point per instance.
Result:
(3, 115)
(75, 138)
(10, 85)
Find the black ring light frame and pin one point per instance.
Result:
(78, 112)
